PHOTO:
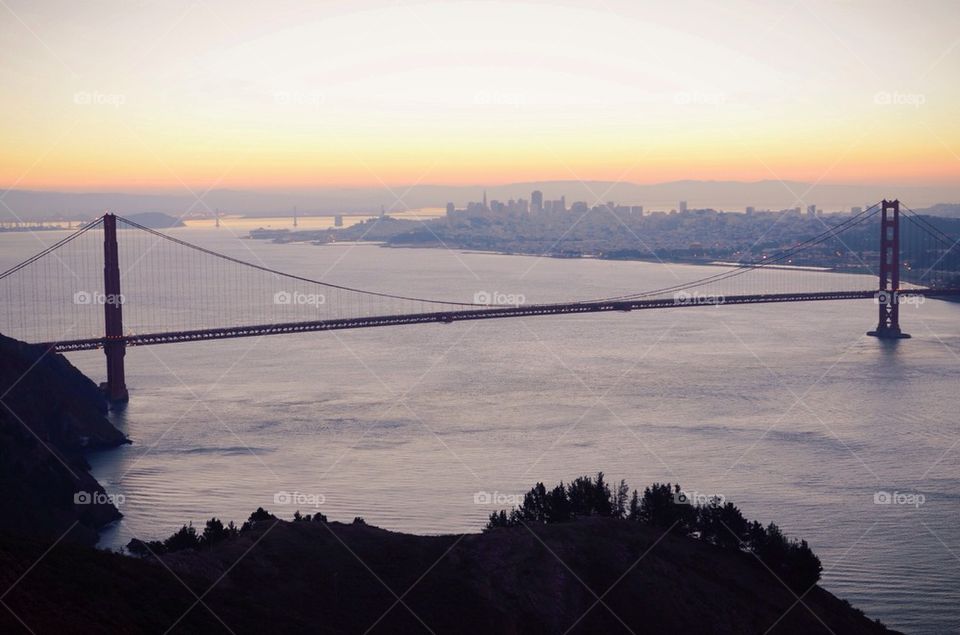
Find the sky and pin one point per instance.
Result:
(166, 96)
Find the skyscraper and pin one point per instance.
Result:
(536, 201)
(682, 207)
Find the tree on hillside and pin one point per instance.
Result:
(723, 525)
(185, 538)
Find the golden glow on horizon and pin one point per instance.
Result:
(365, 94)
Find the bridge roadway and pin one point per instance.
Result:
(494, 312)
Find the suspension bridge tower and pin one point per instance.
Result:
(888, 296)
(114, 345)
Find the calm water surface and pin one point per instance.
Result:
(788, 410)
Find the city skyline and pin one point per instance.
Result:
(537, 204)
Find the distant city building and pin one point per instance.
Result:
(555, 207)
(682, 207)
(536, 201)
(750, 210)
(636, 210)
(855, 210)
(811, 211)
(338, 220)
(451, 209)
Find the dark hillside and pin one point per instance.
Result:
(50, 413)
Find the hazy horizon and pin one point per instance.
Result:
(727, 195)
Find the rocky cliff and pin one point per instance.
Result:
(50, 413)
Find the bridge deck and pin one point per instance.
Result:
(147, 339)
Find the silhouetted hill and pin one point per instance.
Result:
(51, 414)
(155, 220)
(334, 578)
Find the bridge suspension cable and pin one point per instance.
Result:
(282, 274)
(945, 270)
(51, 248)
(743, 268)
(928, 227)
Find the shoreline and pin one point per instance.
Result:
(601, 257)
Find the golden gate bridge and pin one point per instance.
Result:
(115, 283)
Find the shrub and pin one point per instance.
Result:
(659, 507)
(723, 525)
(141, 549)
(185, 538)
(215, 532)
(589, 497)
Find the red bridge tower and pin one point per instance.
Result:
(114, 346)
(888, 297)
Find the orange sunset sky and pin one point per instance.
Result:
(156, 96)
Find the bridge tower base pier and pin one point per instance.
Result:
(888, 297)
(115, 387)
(889, 334)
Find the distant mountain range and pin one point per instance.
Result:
(728, 195)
